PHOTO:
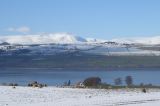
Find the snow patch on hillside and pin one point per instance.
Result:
(139, 40)
(94, 40)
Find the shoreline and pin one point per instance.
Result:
(88, 69)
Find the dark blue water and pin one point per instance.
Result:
(59, 76)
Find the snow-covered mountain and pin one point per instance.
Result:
(67, 38)
(140, 40)
(42, 39)
(51, 44)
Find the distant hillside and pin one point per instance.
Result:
(65, 43)
(63, 50)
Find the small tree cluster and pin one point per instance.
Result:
(128, 81)
(118, 81)
(13, 84)
(36, 84)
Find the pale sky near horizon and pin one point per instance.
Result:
(86, 18)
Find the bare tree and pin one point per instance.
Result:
(129, 80)
(118, 81)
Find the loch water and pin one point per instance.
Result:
(59, 76)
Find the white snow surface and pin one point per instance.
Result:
(53, 96)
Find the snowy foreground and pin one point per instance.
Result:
(52, 96)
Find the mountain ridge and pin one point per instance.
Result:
(42, 39)
(67, 38)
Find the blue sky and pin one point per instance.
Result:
(87, 18)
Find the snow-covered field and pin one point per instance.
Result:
(52, 96)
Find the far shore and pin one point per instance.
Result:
(88, 69)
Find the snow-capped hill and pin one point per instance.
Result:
(139, 40)
(67, 38)
(65, 43)
(42, 39)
